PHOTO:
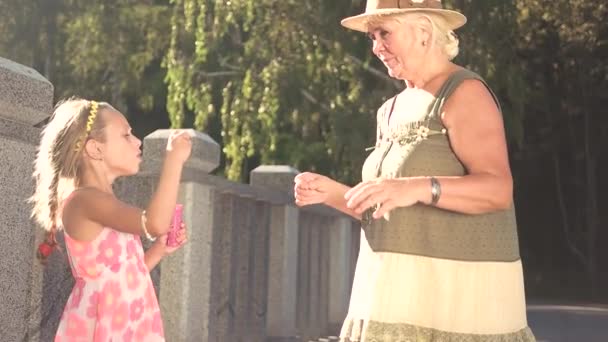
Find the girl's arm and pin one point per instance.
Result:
(90, 209)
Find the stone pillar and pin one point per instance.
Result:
(26, 99)
(185, 281)
(283, 254)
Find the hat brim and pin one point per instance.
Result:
(453, 19)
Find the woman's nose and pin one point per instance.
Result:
(377, 46)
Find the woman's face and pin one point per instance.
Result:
(399, 46)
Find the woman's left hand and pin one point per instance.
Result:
(386, 193)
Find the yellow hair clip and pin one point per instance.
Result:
(90, 121)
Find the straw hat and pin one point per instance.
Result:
(453, 19)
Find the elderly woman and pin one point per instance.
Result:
(439, 257)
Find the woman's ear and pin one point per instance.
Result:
(93, 149)
(425, 31)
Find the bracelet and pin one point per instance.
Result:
(435, 191)
(143, 226)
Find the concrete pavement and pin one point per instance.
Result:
(569, 323)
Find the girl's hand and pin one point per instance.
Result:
(159, 248)
(179, 146)
(181, 239)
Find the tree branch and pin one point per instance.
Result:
(563, 211)
(213, 74)
(308, 96)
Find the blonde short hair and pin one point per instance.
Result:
(441, 35)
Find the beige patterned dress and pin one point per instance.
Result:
(424, 273)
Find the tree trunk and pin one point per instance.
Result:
(592, 207)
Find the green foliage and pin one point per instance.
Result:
(105, 50)
(282, 81)
(273, 82)
(569, 52)
(111, 44)
(279, 79)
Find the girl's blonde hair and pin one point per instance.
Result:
(58, 165)
(441, 34)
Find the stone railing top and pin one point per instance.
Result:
(25, 95)
(260, 193)
(205, 151)
(277, 177)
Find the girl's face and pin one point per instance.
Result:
(121, 149)
(399, 46)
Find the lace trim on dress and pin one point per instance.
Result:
(402, 332)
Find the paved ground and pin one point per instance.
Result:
(569, 323)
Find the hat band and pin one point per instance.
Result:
(373, 5)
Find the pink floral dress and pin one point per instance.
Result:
(113, 298)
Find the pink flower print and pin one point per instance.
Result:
(120, 316)
(109, 250)
(77, 293)
(132, 248)
(76, 327)
(128, 336)
(109, 297)
(142, 330)
(101, 333)
(157, 324)
(150, 297)
(141, 266)
(88, 268)
(137, 309)
(115, 268)
(77, 248)
(93, 305)
(132, 276)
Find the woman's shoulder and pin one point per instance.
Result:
(463, 83)
(467, 73)
(469, 84)
(470, 96)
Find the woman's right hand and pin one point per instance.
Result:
(311, 188)
(179, 146)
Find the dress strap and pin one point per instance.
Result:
(390, 113)
(448, 88)
(380, 121)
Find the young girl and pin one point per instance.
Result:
(83, 149)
